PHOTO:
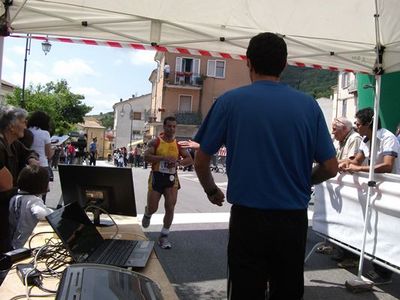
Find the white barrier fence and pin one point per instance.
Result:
(340, 213)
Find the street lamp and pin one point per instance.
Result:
(131, 117)
(46, 46)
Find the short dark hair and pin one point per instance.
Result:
(170, 118)
(267, 53)
(366, 116)
(33, 179)
(40, 120)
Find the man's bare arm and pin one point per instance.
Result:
(187, 159)
(202, 167)
(324, 171)
(150, 153)
(384, 167)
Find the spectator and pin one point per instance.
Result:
(347, 142)
(167, 71)
(71, 152)
(27, 208)
(398, 132)
(39, 125)
(56, 157)
(387, 161)
(93, 152)
(14, 156)
(289, 132)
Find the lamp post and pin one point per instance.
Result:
(46, 46)
(131, 117)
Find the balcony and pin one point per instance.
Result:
(183, 118)
(188, 118)
(185, 79)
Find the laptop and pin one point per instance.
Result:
(86, 245)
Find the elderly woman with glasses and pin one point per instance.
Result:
(13, 157)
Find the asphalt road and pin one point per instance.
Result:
(196, 265)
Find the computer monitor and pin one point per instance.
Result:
(109, 188)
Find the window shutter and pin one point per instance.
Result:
(196, 67)
(185, 103)
(178, 64)
(220, 68)
(211, 68)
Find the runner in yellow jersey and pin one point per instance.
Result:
(165, 155)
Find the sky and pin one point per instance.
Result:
(103, 75)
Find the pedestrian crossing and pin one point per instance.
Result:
(193, 177)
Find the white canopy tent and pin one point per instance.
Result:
(341, 34)
(351, 35)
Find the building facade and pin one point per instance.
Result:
(5, 89)
(345, 96)
(92, 128)
(130, 117)
(186, 86)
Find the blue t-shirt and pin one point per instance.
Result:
(92, 147)
(273, 134)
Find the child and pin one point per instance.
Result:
(27, 207)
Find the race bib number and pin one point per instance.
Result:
(164, 168)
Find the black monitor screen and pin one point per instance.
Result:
(109, 188)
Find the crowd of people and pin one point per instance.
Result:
(292, 151)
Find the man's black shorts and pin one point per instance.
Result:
(160, 181)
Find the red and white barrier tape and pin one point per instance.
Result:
(178, 50)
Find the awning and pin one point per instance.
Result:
(134, 143)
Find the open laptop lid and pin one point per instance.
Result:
(75, 230)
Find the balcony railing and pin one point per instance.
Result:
(188, 118)
(182, 117)
(184, 78)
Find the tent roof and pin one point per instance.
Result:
(339, 34)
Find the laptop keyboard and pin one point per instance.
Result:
(118, 252)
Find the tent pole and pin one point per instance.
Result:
(371, 177)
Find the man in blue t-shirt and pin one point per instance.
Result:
(269, 183)
(93, 152)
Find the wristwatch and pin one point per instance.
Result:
(212, 192)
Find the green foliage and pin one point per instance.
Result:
(64, 107)
(316, 83)
(106, 120)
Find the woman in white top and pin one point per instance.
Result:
(39, 125)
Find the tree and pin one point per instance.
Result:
(107, 119)
(64, 107)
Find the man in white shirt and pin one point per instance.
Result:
(388, 148)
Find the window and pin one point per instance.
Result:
(137, 115)
(185, 103)
(216, 68)
(186, 69)
(345, 80)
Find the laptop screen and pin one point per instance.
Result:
(76, 231)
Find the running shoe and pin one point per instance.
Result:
(145, 219)
(163, 242)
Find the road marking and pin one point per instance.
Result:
(197, 218)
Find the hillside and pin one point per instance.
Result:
(315, 82)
